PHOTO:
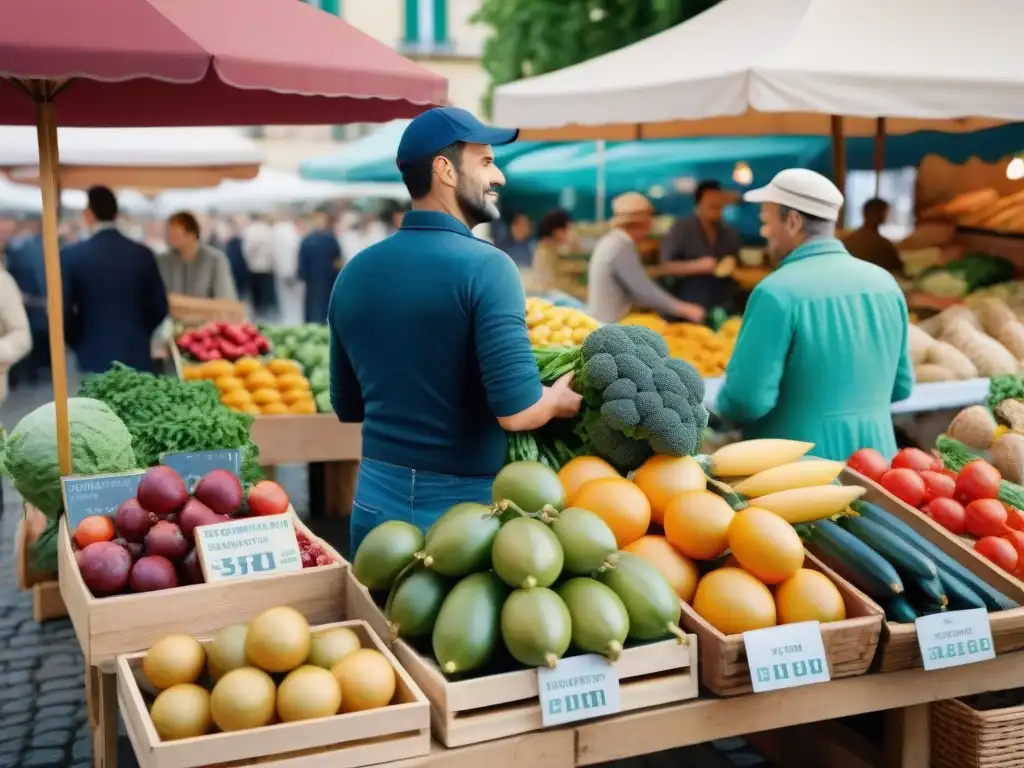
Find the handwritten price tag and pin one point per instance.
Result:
(786, 656)
(955, 637)
(250, 546)
(88, 495)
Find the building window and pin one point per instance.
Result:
(426, 25)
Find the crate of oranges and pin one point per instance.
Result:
(550, 325)
(272, 388)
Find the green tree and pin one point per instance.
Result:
(533, 37)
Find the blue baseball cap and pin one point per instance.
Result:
(437, 128)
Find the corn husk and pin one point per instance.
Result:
(974, 427)
(989, 356)
(929, 372)
(1007, 455)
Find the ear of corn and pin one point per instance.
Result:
(805, 505)
(798, 474)
(748, 457)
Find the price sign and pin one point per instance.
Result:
(194, 464)
(249, 546)
(786, 656)
(88, 495)
(578, 688)
(955, 637)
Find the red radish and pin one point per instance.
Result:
(162, 491)
(913, 458)
(132, 521)
(978, 480)
(152, 573)
(999, 551)
(868, 462)
(904, 484)
(948, 513)
(985, 517)
(1014, 518)
(104, 567)
(937, 485)
(194, 514)
(949, 473)
(167, 540)
(267, 498)
(220, 491)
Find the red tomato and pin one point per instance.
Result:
(267, 498)
(913, 458)
(1016, 538)
(986, 517)
(937, 485)
(947, 513)
(904, 484)
(948, 473)
(1014, 518)
(868, 462)
(978, 480)
(999, 551)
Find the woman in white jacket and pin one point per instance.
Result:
(15, 336)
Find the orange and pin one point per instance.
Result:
(765, 545)
(620, 504)
(580, 471)
(663, 477)
(697, 524)
(679, 570)
(809, 596)
(733, 602)
(92, 529)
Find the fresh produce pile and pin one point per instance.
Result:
(956, 279)
(251, 386)
(985, 339)
(550, 325)
(273, 669)
(222, 341)
(165, 415)
(706, 350)
(309, 346)
(149, 544)
(638, 401)
(529, 576)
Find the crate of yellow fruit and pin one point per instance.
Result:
(275, 388)
(550, 325)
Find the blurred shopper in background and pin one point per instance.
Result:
(233, 252)
(519, 243)
(24, 262)
(553, 235)
(193, 267)
(15, 334)
(258, 252)
(114, 296)
(869, 244)
(320, 261)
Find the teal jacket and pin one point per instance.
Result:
(821, 355)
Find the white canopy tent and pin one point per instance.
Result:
(25, 199)
(753, 67)
(141, 158)
(271, 189)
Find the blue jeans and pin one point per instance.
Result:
(386, 492)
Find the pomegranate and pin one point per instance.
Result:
(152, 573)
(167, 540)
(104, 567)
(220, 491)
(132, 521)
(162, 491)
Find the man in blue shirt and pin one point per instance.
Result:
(319, 262)
(429, 348)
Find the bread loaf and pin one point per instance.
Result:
(989, 356)
(929, 372)
(919, 343)
(952, 359)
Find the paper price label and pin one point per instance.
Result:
(249, 546)
(786, 656)
(578, 688)
(88, 495)
(953, 638)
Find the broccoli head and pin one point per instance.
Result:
(644, 401)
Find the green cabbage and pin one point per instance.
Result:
(100, 442)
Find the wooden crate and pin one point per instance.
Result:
(964, 737)
(349, 740)
(31, 524)
(849, 644)
(191, 310)
(898, 648)
(301, 439)
(109, 626)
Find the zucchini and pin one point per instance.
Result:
(926, 594)
(961, 597)
(993, 599)
(855, 561)
(900, 553)
(898, 610)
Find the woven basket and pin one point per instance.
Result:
(849, 644)
(964, 737)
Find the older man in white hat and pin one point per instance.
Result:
(823, 349)
(616, 278)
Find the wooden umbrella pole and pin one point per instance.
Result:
(880, 131)
(839, 159)
(49, 168)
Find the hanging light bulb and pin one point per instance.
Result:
(742, 174)
(656, 192)
(1015, 169)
